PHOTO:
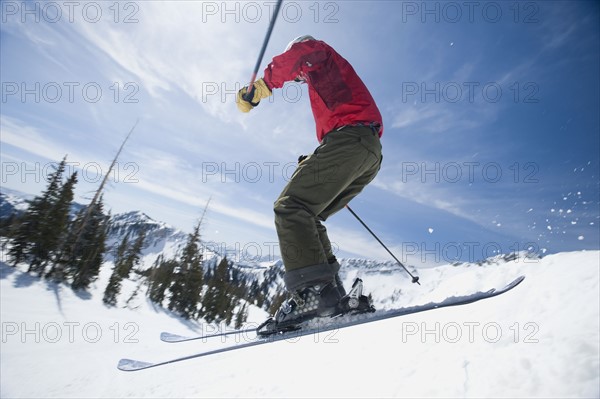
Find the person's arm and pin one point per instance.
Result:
(294, 64)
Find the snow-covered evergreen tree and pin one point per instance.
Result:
(127, 257)
(160, 279)
(39, 233)
(219, 301)
(60, 223)
(188, 278)
(88, 248)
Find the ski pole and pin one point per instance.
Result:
(415, 279)
(264, 46)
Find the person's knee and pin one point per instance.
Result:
(289, 206)
(281, 205)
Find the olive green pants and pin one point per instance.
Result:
(338, 170)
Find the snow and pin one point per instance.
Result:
(539, 340)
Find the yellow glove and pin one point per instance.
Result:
(248, 100)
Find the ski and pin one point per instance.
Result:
(174, 338)
(319, 326)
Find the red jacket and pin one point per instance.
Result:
(338, 96)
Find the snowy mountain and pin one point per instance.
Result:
(160, 237)
(166, 241)
(12, 202)
(131, 223)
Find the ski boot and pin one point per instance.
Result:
(303, 305)
(329, 300)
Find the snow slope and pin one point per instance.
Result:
(539, 340)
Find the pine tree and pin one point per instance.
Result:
(114, 283)
(37, 235)
(160, 279)
(241, 316)
(7, 225)
(60, 224)
(255, 293)
(89, 246)
(19, 238)
(127, 257)
(188, 278)
(41, 237)
(86, 248)
(218, 301)
(228, 304)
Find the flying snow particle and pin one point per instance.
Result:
(430, 230)
(549, 228)
(580, 238)
(451, 44)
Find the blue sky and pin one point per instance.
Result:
(491, 139)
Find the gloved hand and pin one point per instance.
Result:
(248, 100)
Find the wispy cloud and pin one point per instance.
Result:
(27, 138)
(191, 197)
(170, 48)
(444, 199)
(440, 117)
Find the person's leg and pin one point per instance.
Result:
(323, 183)
(325, 243)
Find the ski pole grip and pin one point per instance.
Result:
(249, 94)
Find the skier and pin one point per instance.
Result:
(349, 126)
